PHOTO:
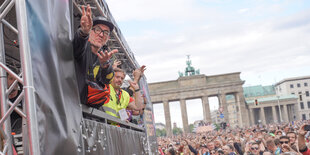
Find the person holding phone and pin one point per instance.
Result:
(301, 139)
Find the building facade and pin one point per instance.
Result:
(159, 126)
(298, 86)
(265, 106)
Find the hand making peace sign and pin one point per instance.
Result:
(86, 20)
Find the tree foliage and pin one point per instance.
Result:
(161, 132)
(177, 131)
(191, 128)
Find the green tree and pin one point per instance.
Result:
(191, 127)
(177, 131)
(160, 133)
(217, 126)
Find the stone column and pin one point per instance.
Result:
(274, 114)
(243, 118)
(289, 113)
(252, 116)
(206, 109)
(223, 103)
(285, 114)
(262, 115)
(167, 117)
(184, 115)
(296, 112)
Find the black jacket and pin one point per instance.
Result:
(86, 60)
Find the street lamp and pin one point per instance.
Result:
(278, 96)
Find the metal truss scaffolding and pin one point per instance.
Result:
(25, 77)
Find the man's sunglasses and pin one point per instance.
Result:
(254, 148)
(286, 142)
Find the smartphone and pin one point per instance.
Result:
(307, 127)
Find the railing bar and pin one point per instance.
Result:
(76, 5)
(11, 27)
(4, 4)
(11, 73)
(7, 9)
(18, 110)
(11, 108)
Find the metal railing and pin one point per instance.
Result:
(102, 117)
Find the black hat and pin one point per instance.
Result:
(104, 21)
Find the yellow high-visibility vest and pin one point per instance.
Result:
(112, 107)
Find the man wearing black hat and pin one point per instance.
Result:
(91, 58)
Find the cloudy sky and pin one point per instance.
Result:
(265, 40)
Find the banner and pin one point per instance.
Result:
(58, 109)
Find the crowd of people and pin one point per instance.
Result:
(291, 138)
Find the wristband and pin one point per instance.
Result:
(137, 90)
(303, 149)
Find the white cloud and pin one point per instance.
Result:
(243, 10)
(125, 10)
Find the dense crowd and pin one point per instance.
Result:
(292, 138)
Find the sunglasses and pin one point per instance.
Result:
(286, 142)
(254, 148)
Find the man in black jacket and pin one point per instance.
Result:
(91, 59)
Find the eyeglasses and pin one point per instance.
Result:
(282, 142)
(254, 148)
(98, 30)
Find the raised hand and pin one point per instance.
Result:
(286, 148)
(138, 73)
(116, 63)
(86, 20)
(142, 69)
(105, 56)
(302, 130)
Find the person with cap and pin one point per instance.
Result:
(90, 54)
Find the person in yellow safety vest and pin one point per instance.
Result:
(120, 99)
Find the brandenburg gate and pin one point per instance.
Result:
(195, 85)
(200, 86)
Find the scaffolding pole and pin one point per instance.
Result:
(3, 98)
(30, 103)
